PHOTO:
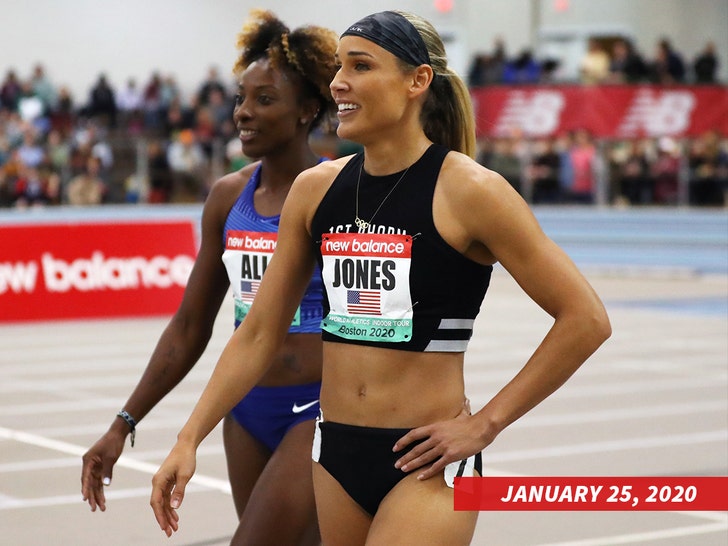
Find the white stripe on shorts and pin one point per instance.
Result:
(454, 470)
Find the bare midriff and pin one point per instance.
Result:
(386, 388)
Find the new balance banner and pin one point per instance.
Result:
(90, 270)
(618, 111)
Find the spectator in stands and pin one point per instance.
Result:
(35, 187)
(161, 181)
(177, 117)
(211, 83)
(10, 159)
(665, 171)
(631, 167)
(594, 66)
(523, 69)
(169, 93)
(30, 152)
(583, 160)
(92, 138)
(129, 103)
(152, 101)
(498, 60)
(58, 152)
(477, 73)
(4, 146)
(10, 91)
(221, 108)
(205, 128)
(31, 108)
(708, 169)
(63, 114)
(87, 188)
(44, 89)
(188, 160)
(505, 159)
(102, 102)
(705, 65)
(667, 66)
(13, 127)
(6, 189)
(487, 68)
(544, 172)
(626, 64)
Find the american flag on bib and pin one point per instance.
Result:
(248, 289)
(363, 302)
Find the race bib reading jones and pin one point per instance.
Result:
(367, 283)
(246, 258)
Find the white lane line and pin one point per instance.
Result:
(602, 447)
(616, 388)
(632, 413)
(126, 462)
(84, 404)
(640, 538)
(205, 450)
(10, 503)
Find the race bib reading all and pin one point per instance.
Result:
(246, 258)
(367, 282)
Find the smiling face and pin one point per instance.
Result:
(268, 110)
(370, 89)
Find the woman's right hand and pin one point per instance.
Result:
(168, 486)
(98, 465)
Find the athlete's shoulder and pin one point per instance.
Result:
(226, 190)
(235, 180)
(462, 173)
(324, 171)
(316, 180)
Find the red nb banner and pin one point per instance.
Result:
(92, 270)
(618, 111)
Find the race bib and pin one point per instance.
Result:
(246, 257)
(367, 282)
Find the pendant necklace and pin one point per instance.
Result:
(364, 224)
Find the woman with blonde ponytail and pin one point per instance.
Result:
(406, 234)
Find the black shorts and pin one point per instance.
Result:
(362, 461)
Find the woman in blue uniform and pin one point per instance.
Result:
(406, 234)
(283, 94)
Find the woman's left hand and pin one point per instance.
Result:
(443, 443)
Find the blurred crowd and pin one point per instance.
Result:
(576, 168)
(606, 61)
(136, 143)
(147, 142)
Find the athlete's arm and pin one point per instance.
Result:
(255, 343)
(493, 220)
(179, 347)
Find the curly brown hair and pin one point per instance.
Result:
(307, 51)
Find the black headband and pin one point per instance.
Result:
(394, 33)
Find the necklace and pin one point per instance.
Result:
(364, 224)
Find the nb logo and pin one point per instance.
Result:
(536, 114)
(656, 113)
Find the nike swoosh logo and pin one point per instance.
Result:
(298, 409)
